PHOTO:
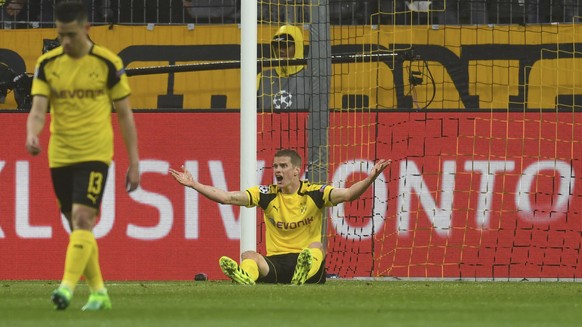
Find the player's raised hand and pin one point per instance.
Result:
(379, 167)
(183, 177)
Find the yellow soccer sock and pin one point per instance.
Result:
(317, 256)
(92, 271)
(78, 253)
(251, 268)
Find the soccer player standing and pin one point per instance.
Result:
(293, 211)
(80, 81)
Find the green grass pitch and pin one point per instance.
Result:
(337, 303)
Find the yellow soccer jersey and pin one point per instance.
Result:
(293, 220)
(80, 92)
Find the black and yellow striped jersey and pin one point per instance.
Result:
(293, 221)
(80, 93)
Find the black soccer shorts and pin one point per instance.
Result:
(81, 183)
(282, 267)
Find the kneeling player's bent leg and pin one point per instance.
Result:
(254, 264)
(302, 268)
(231, 269)
(317, 253)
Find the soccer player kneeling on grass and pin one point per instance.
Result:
(293, 211)
(80, 80)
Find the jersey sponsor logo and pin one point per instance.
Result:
(264, 189)
(79, 94)
(291, 225)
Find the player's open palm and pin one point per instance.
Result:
(379, 167)
(183, 177)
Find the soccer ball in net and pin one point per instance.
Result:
(283, 100)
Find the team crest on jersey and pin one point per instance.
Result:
(264, 189)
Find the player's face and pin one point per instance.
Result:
(73, 37)
(285, 173)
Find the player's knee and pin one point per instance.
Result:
(83, 217)
(83, 224)
(317, 245)
(250, 255)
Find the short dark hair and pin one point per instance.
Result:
(70, 11)
(295, 157)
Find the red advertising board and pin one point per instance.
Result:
(479, 195)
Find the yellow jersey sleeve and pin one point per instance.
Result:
(119, 85)
(254, 194)
(40, 85)
(326, 190)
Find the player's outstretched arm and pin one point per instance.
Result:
(339, 195)
(185, 178)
